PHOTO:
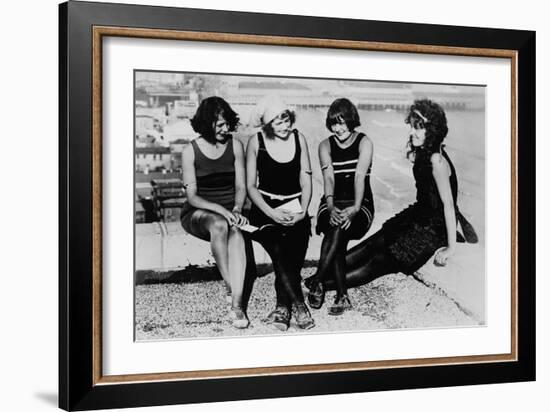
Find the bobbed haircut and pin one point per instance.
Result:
(426, 114)
(207, 114)
(343, 111)
(268, 128)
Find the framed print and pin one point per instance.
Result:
(256, 206)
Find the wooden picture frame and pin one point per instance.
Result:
(82, 384)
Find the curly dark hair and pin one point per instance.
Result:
(342, 110)
(268, 128)
(426, 114)
(207, 115)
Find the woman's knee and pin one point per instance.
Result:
(235, 231)
(274, 251)
(334, 238)
(218, 227)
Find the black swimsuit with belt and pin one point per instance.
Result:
(279, 183)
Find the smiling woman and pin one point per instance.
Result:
(279, 172)
(347, 209)
(213, 176)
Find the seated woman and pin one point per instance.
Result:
(408, 240)
(214, 178)
(278, 177)
(346, 209)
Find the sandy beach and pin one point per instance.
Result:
(179, 311)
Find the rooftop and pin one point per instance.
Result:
(152, 150)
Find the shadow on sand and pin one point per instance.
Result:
(194, 274)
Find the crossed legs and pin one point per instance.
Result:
(365, 262)
(333, 258)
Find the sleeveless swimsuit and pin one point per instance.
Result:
(414, 234)
(344, 163)
(215, 180)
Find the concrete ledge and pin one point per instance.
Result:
(462, 279)
(166, 246)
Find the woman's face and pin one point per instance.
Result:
(418, 134)
(221, 128)
(340, 130)
(281, 126)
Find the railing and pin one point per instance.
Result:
(168, 194)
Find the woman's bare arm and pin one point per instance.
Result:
(440, 170)
(305, 174)
(240, 176)
(363, 163)
(328, 182)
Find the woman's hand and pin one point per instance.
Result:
(240, 220)
(229, 216)
(281, 216)
(442, 255)
(296, 217)
(347, 215)
(335, 216)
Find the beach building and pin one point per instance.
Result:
(147, 78)
(176, 146)
(176, 149)
(144, 123)
(180, 130)
(148, 141)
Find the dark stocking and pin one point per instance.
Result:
(251, 273)
(287, 249)
(377, 265)
(340, 271)
(365, 262)
(359, 254)
(333, 252)
(285, 283)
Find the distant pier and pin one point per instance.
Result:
(375, 103)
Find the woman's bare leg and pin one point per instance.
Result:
(225, 241)
(236, 264)
(218, 230)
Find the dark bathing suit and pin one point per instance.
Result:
(279, 183)
(414, 234)
(344, 163)
(215, 181)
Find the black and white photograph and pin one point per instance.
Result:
(285, 205)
